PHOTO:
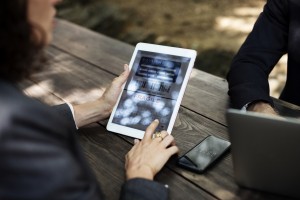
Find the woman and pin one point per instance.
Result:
(39, 155)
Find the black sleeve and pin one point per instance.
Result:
(40, 159)
(65, 111)
(248, 75)
(142, 189)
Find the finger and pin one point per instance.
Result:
(158, 139)
(168, 140)
(134, 147)
(164, 134)
(126, 68)
(120, 80)
(150, 130)
(126, 71)
(160, 136)
(136, 141)
(172, 150)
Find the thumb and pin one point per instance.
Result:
(123, 77)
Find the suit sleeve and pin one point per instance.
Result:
(40, 157)
(64, 110)
(265, 45)
(141, 189)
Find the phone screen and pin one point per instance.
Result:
(203, 154)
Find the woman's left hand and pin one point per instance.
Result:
(101, 108)
(112, 92)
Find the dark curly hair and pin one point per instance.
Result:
(20, 53)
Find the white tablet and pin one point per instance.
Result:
(154, 89)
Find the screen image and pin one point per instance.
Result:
(151, 90)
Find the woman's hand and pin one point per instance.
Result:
(100, 109)
(112, 92)
(148, 156)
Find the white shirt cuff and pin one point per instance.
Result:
(72, 109)
(244, 108)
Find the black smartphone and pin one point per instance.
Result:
(203, 154)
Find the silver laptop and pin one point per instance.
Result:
(265, 152)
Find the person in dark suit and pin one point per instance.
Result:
(39, 156)
(276, 32)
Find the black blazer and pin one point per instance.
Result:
(40, 157)
(276, 32)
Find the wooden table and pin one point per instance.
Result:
(83, 63)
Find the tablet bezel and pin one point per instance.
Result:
(135, 133)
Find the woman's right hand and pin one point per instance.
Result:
(148, 156)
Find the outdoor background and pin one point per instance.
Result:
(215, 28)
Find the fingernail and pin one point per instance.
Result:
(156, 120)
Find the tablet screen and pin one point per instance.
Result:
(151, 91)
